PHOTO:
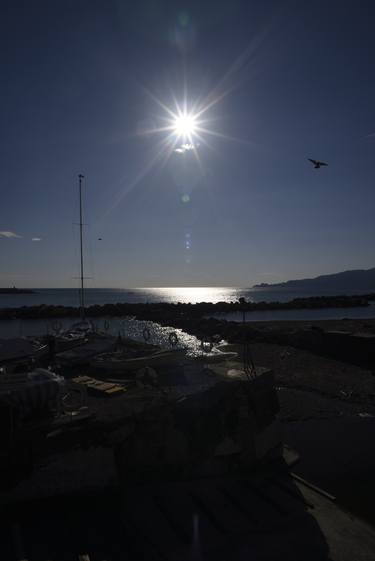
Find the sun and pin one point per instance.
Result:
(185, 125)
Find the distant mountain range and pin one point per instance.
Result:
(361, 280)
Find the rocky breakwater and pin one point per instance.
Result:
(166, 311)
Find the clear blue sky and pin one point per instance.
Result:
(78, 86)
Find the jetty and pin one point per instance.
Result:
(15, 290)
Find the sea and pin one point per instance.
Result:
(100, 296)
(193, 295)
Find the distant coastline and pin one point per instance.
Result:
(360, 280)
(15, 290)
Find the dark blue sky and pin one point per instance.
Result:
(78, 81)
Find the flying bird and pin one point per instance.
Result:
(317, 164)
(100, 239)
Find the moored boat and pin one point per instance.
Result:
(120, 361)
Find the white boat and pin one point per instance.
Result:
(217, 356)
(84, 353)
(119, 361)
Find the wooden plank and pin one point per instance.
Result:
(313, 487)
(117, 390)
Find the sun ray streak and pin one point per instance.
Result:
(202, 140)
(188, 120)
(156, 130)
(226, 136)
(196, 154)
(159, 102)
(223, 88)
(139, 177)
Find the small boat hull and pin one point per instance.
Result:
(114, 364)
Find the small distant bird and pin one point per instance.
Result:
(100, 239)
(317, 164)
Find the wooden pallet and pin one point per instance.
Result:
(99, 387)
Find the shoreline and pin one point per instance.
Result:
(153, 311)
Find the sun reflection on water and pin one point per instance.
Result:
(193, 295)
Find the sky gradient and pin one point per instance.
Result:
(80, 85)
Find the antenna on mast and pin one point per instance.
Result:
(82, 295)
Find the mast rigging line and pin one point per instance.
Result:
(82, 295)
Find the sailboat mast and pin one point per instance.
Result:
(82, 296)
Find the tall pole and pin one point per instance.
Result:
(82, 296)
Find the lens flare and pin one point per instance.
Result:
(185, 125)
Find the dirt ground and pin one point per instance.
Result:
(327, 409)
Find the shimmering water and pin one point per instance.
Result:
(130, 328)
(100, 296)
(70, 297)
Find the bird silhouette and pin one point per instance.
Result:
(317, 164)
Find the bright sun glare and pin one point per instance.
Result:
(185, 125)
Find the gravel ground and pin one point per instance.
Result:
(324, 377)
(327, 409)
